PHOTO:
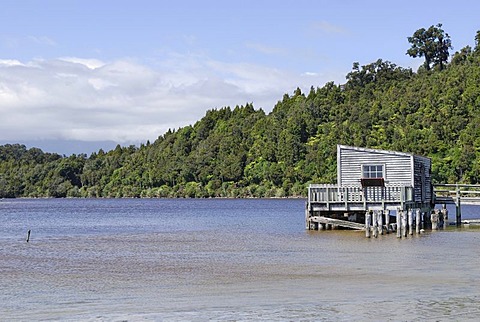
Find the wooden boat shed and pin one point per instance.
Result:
(370, 180)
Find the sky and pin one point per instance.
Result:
(76, 76)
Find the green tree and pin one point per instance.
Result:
(477, 41)
(433, 44)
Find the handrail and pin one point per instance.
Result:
(330, 193)
(462, 185)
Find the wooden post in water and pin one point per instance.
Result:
(404, 223)
(28, 235)
(368, 219)
(445, 216)
(434, 219)
(410, 221)
(399, 223)
(417, 221)
(387, 220)
(380, 221)
(375, 224)
(459, 210)
(425, 220)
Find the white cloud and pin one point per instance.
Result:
(328, 28)
(90, 63)
(42, 40)
(10, 62)
(124, 101)
(264, 49)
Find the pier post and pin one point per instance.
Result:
(417, 221)
(404, 223)
(380, 221)
(434, 219)
(425, 221)
(307, 214)
(387, 220)
(410, 221)
(368, 219)
(445, 216)
(458, 207)
(399, 223)
(375, 224)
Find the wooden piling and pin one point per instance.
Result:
(28, 235)
(458, 207)
(380, 221)
(445, 216)
(434, 217)
(368, 220)
(386, 212)
(410, 221)
(399, 223)
(404, 223)
(417, 221)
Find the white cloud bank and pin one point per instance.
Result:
(125, 101)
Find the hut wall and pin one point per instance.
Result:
(397, 167)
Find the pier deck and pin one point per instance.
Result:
(352, 207)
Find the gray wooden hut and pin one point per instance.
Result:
(371, 179)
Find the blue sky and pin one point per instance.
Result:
(74, 74)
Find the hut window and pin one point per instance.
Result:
(372, 176)
(372, 171)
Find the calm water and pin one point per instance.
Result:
(224, 260)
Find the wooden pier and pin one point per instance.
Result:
(373, 184)
(370, 208)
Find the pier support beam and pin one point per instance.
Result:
(399, 223)
(380, 221)
(410, 221)
(404, 224)
(368, 220)
(458, 213)
(418, 221)
(386, 212)
(445, 216)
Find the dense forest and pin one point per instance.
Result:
(244, 152)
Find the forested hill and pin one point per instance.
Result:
(244, 152)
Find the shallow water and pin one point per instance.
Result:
(235, 260)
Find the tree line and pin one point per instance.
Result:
(245, 152)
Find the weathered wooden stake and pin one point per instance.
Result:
(410, 221)
(307, 215)
(424, 220)
(28, 235)
(445, 216)
(417, 221)
(368, 219)
(399, 223)
(380, 221)
(434, 219)
(458, 208)
(387, 220)
(404, 223)
(375, 224)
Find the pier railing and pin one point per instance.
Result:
(454, 193)
(329, 193)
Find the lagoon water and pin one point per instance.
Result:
(224, 260)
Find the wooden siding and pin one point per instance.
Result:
(423, 187)
(398, 167)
